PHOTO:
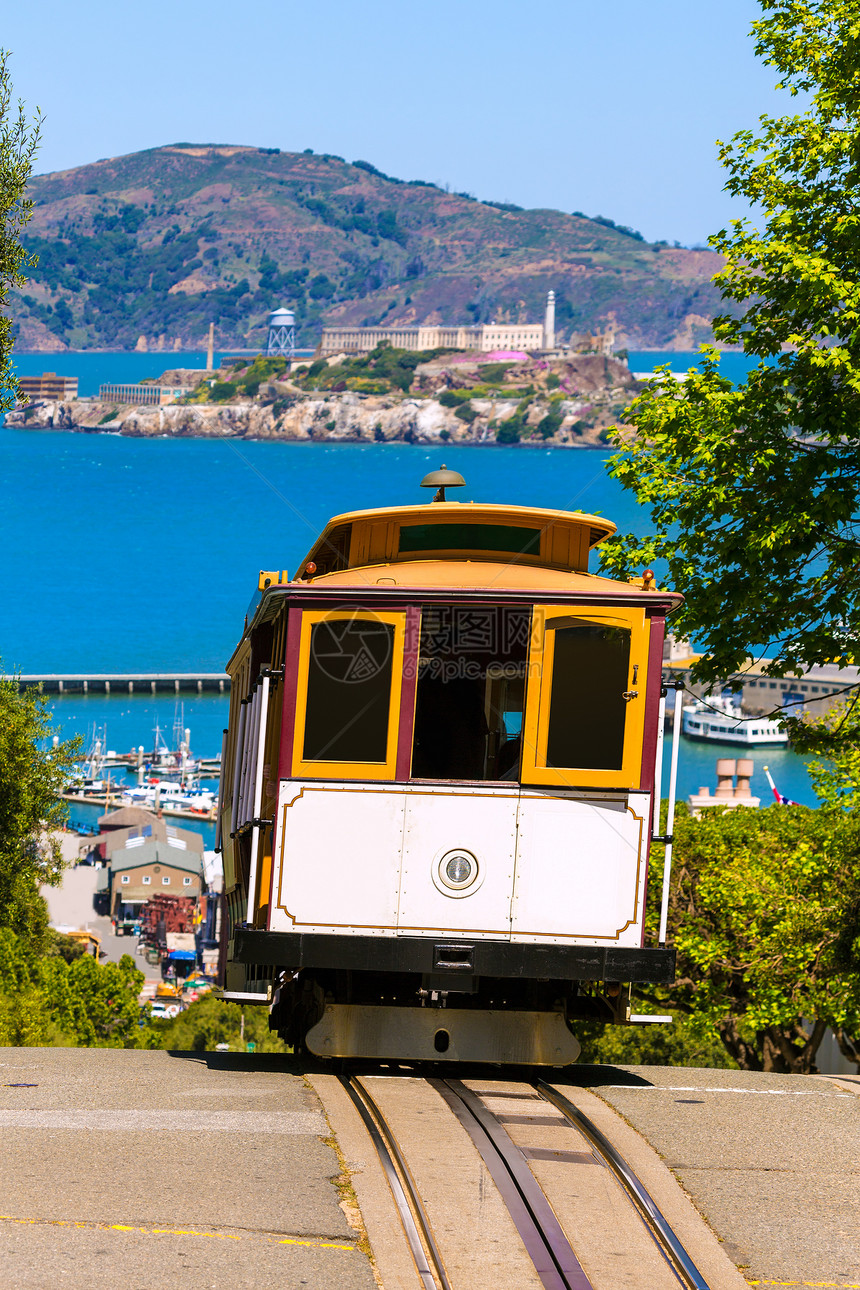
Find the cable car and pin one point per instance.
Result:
(438, 786)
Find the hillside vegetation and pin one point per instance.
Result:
(149, 248)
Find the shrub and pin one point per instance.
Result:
(455, 398)
(209, 1022)
(687, 1042)
(550, 425)
(367, 385)
(222, 391)
(466, 413)
(552, 381)
(492, 373)
(510, 431)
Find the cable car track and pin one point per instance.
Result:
(406, 1196)
(543, 1237)
(671, 1248)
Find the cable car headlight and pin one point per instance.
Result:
(457, 872)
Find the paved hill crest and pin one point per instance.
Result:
(148, 248)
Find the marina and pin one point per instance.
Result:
(110, 799)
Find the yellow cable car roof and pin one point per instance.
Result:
(465, 510)
(487, 576)
(386, 533)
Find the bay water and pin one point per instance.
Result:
(125, 555)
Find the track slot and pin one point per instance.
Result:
(540, 1231)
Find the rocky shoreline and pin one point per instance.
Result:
(340, 418)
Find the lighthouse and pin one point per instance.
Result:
(549, 322)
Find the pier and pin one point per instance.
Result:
(126, 682)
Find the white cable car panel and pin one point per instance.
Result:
(338, 858)
(458, 861)
(580, 868)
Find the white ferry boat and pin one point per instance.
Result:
(719, 720)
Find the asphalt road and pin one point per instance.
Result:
(148, 1169)
(771, 1161)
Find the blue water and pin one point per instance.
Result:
(733, 365)
(142, 554)
(94, 368)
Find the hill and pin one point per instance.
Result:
(147, 249)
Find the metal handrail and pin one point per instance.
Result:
(670, 814)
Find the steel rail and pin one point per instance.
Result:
(672, 1249)
(541, 1233)
(400, 1181)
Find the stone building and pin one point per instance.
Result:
(483, 338)
(49, 386)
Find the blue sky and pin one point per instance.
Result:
(610, 109)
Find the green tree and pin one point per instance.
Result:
(19, 139)
(511, 430)
(688, 1041)
(210, 1021)
(754, 491)
(44, 999)
(31, 777)
(94, 1004)
(764, 912)
(550, 424)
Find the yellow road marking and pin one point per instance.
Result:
(271, 1238)
(827, 1285)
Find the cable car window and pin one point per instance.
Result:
(587, 712)
(348, 700)
(349, 690)
(512, 539)
(585, 699)
(469, 697)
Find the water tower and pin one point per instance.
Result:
(282, 333)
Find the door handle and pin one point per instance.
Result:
(630, 694)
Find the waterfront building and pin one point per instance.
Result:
(142, 395)
(282, 334)
(137, 872)
(812, 693)
(482, 338)
(49, 386)
(142, 827)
